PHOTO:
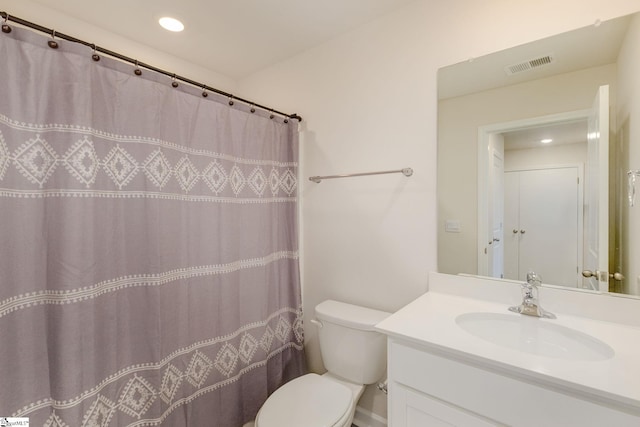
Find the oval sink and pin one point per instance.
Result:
(535, 336)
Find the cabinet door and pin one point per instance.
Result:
(413, 409)
(427, 390)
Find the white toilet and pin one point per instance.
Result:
(354, 355)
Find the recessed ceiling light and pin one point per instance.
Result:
(171, 24)
(546, 141)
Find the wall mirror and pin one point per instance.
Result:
(537, 149)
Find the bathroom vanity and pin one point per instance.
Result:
(457, 356)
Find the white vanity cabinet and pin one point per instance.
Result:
(580, 369)
(430, 388)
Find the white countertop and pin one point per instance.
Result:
(430, 322)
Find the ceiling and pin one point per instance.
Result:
(573, 132)
(583, 48)
(235, 38)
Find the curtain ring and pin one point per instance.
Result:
(95, 56)
(174, 83)
(137, 71)
(286, 120)
(204, 91)
(253, 108)
(53, 44)
(230, 99)
(5, 27)
(271, 116)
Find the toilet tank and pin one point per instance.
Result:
(349, 345)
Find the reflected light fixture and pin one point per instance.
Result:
(546, 140)
(171, 24)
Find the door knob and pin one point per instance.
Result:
(598, 275)
(617, 276)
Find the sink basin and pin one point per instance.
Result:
(535, 336)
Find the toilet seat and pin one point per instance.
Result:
(311, 401)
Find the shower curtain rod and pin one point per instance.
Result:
(54, 33)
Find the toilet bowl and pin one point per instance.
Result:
(354, 355)
(311, 401)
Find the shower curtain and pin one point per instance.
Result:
(148, 246)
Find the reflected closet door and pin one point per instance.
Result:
(543, 206)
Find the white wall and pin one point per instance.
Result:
(368, 100)
(628, 119)
(565, 154)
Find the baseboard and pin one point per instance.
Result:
(366, 418)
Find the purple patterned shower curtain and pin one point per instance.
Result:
(148, 246)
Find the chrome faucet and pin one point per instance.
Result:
(530, 304)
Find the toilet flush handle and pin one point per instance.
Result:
(316, 322)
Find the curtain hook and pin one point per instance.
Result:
(230, 99)
(204, 91)
(137, 71)
(271, 116)
(174, 83)
(253, 108)
(286, 119)
(53, 44)
(5, 27)
(95, 56)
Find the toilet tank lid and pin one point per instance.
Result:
(349, 315)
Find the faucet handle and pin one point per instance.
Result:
(530, 304)
(534, 279)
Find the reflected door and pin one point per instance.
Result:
(512, 225)
(597, 194)
(542, 213)
(496, 216)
